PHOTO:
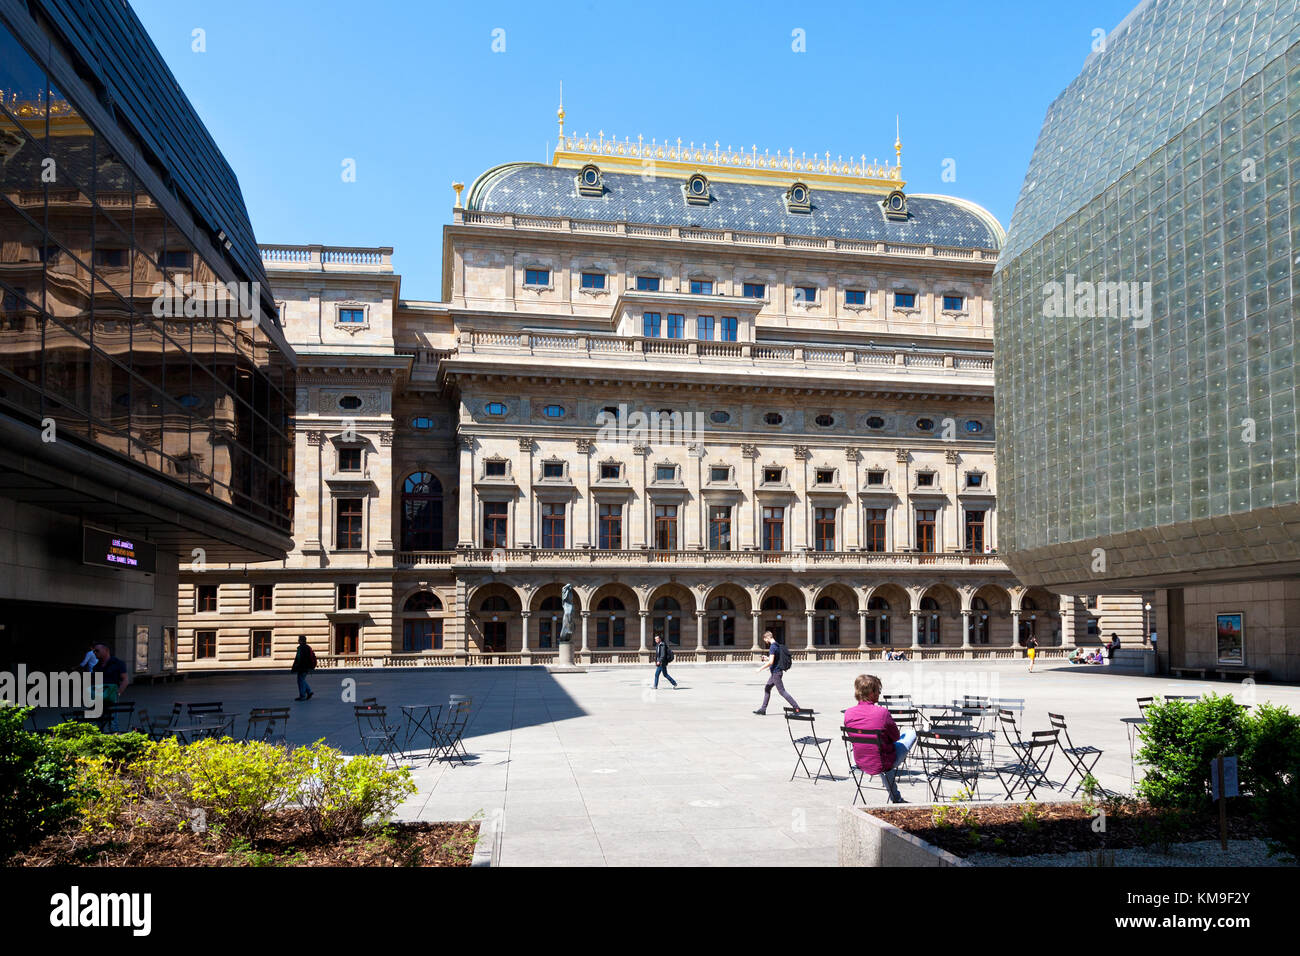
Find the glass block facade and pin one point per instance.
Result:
(1147, 302)
(113, 326)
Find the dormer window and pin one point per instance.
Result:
(798, 198)
(773, 476)
(590, 181)
(701, 287)
(697, 190)
(895, 206)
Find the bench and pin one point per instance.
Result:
(1198, 672)
(1242, 672)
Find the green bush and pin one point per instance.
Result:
(37, 785)
(77, 739)
(1272, 772)
(1180, 740)
(340, 795)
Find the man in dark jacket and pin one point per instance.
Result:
(303, 661)
(661, 660)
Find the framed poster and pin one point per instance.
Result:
(1229, 630)
(142, 648)
(169, 649)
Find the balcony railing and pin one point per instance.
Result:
(318, 258)
(507, 558)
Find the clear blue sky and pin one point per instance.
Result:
(415, 94)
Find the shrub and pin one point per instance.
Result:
(341, 795)
(104, 793)
(1180, 740)
(37, 786)
(77, 739)
(1271, 770)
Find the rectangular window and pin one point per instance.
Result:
(347, 638)
(701, 287)
(553, 525)
(610, 471)
(875, 477)
(729, 328)
(806, 294)
(753, 290)
(925, 479)
(925, 530)
(666, 527)
(593, 280)
(110, 258)
(422, 635)
(905, 300)
(263, 597)
(720, 474)
(538, 277)
(261, 643)
(953, 303)
(974, 479)
(825, 476)
(975, 531)
(352, 316)
(205, 599)
(772, 476)
(665, 472)
(719, 528)
(494, 524)
(647, 283)
(176, 259)
(347, 524)
(349, 459)
(494, 469)
(855, 296)
(704, 328)
(825, 529)
(346, 597)
(205, 644)
(611, 527)
(650, 325)
(773, 529)
(676, 326)
(552, 469)
(874, 538)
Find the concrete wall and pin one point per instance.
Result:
(1270, 625)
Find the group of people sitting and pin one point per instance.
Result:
(1099, 656)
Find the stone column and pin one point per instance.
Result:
(1015, 629)
(808, 627)
(524, 535)
(582, 508)
(523, 621)
(862, 630)
(916, 633)
(465, 537)
(701, 637)
(585, 616)
(758, 618)
(643, 615)
(965, 629)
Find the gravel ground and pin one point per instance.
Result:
(1203, 853)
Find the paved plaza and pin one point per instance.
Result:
(598, 769)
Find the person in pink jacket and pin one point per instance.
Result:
(869, 715)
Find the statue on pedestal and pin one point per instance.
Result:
(566, 625)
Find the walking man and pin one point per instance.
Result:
(663, 657)
(303, 661)
(115, 681)
(777, 664)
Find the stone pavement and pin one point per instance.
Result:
(599, 769)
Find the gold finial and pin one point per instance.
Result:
(898, 142)
(458, 187)
(559, 114)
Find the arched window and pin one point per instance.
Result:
(878, 620)
(927, 624)
(422, 513)
(494, 629)
(1028, 619)
(774, 609)
(494, 603)
(979, 625)
(666, 619)
(611, 623)
(826, 621)
(421, 631)
(722, 622)
(550, 614)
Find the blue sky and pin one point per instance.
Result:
(413, 92)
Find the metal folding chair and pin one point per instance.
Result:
(211, 708)
(377, 737)
(268, 724)
(448, 735)
(902, 701)
(1030, 759)
(1144, 703)
(870, 738)
(941, 756)
(1082, 759)
(801, 744)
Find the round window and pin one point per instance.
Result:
(774, 418)
(875, 421)
(825, 421)
(720, 417)
(799, 195)
(697, 186)
(349, 401)
(590, 177)
(974, 427)
(925, 424)
(495, 408)
(553, 411)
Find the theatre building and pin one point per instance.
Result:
(145, 387)
(718, 392)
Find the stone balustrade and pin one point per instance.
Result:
(795, 561)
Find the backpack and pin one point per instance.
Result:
(311, 658)
(785, 661)
(668, 654)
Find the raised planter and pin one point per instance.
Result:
(865, 840)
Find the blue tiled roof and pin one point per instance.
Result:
(538, 190)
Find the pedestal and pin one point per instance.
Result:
(565, 656)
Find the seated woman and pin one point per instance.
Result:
(1095, 658)
(1078, 656)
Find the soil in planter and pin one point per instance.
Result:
(1012, 830)
(289, 841)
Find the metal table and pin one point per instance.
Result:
(420, 719)
(1131, 724)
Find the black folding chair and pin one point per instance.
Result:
(1144, 703)
(1082, 759)
(942, 758)
(268, 724)
(377, 737)
(902, 701)
(820, 744)
(448, 735)
(211, 708)
(870, 738)
(1030, 759)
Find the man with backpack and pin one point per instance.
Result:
(777, 664)
(663, 657)
(303, 661)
